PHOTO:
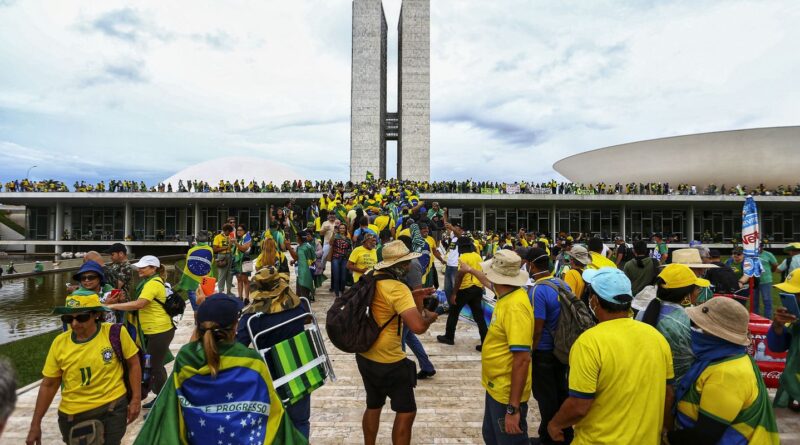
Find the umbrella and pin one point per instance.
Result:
(751, 239)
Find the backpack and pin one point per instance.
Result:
(627, 252)
(174, 305)
(574, 318)
(349, 323)
(116, 345)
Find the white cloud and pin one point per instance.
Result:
(153, 87)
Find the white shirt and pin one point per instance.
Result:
(452, 253)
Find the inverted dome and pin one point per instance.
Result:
(233, 168)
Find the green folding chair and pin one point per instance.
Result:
(298, 365)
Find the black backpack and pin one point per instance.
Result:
(574, 318)
(174, 305)
(349, 323)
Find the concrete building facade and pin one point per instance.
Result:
(371, 125)
(368, 90)
(414, 90)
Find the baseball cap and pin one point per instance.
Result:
(792, 283)
(219, 308)
(610, 284)
(680, 275)
(580, 254)
(738, 249)
(116, 247)
(147, 260)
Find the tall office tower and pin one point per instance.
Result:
(414, 91)
(371, 125)
(368, 91)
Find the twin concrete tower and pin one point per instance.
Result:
(371, 125)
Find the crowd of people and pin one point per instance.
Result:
(621, 344)
(469, 186)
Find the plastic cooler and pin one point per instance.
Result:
(770, 363)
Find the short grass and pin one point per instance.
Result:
(28, 355)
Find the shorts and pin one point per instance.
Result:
(395, 380)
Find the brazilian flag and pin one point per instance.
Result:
(199, 263)
(239, 405)
(341, 212)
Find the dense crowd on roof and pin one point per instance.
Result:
(469, 186)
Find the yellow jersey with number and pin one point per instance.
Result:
(90, 372)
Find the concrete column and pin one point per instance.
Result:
(128, 220)
(690, 223)
(483, 218)
(196, 218)
(553, 222)
(623, 232)
(59, 230)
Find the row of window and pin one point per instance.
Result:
(171, 223)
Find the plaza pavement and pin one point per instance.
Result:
(450, 405)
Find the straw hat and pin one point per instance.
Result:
(724, 318)
(504, 268)
(690, 257)
(395, 252)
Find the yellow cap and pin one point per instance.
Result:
(792, 283)
(679, 275)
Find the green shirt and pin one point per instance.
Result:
(767, 261)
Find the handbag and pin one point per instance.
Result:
(247, 267)
(222, 260)
(88, 432)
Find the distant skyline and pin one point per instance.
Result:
(141, 90)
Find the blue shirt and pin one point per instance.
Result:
(545, 307)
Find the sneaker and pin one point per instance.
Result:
(422, 375)
(445, 339)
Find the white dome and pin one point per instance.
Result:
(233, 168)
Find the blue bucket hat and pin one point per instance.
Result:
(610, 284)
(91, 266)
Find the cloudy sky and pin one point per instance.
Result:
(144, 89)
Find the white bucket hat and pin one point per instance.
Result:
(504, 268)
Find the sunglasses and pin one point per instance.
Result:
(91, 277)
(82, 318)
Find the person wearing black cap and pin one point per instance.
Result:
(723, 279)
(467, 291)
(119, 272)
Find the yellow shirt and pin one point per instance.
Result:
(383, 222)
(575, 282)
(391, 297)
(90, 372)
(221, 240)
(511, 331)
(153, 318)
(624, 365)
(725, 390)
(473, 260)
(406, 232)
(599, 261)
(363, 258)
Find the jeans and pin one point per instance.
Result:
(339, 274)
(192, 295)
(494, 414)
(471, 297)
(416, 347)
(549, 377)
(763, 291)
(449, 279)
(300, 413)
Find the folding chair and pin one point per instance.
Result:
(298, 365)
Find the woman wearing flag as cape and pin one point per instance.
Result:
(219, 390)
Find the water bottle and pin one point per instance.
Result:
(146, 370)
